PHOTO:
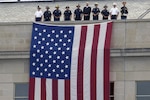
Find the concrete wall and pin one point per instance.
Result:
(130, 54)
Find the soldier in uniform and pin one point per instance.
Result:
(67, 14)
(124, 11)
(87, 12)
(96, 12)
(105, 13)
(57, 13)
(78, 13)
(47, 14)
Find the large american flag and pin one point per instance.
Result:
(70, 62)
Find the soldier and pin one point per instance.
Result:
(67, 14)
(105, 13)
(78, 13)
(57, 13)
(38, 14)
(47, 14)
(124, 11)
(87, 12)
(114, 12)
(96, 12)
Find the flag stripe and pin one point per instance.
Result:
(43, 89)
(54, 89)
(37, 89)
(61, 89)
(48, 89)
(81, 63)
(100, 62)
(94, 62)
(67, 89)
(74, 60)
(31, 88)
(87, 60)
(107, 58)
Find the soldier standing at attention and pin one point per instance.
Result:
(57, 13)
(67, 14)
(96, 12)
(105, 13)
(38, 14)
(78, 13)
(124, 11)
(47, 14)
(87, 12)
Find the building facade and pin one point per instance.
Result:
(129, 61)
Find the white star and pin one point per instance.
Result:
(47, 43)
(49, 56)
(58, 57)
(53, 70)
(63, 52)
(34, 46)
(39, 42)
(57, 36)
(36, 29)
(64, 44)
(61, 31)
(40, 34)
(35, 37)
(59, 48)
(54, 52)
(37, 68)
(70, 31)
(37, 60)
(65, 36)
(48, 35)
(53, 31)
(41, 56)
(46, 52)
(57, 75)
(67, 57)
(49, 65)
(41, 74)
(51, 48)
(62, 70)
(34, 55)
(60, 40)
(33, 73)
(66, 66)
(43, 39)
(62, 61)
(52, 40)
(54, 61)
(42, 47)
(69, 40)
(46, 60)
(68, 48)
(38, 51)
(49, 74)
(33, 64)
(41, 64)
(57, 66)
(44, 30)
(45, 69)
(56, 44)
(66, 75)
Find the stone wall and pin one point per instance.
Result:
(130, 56)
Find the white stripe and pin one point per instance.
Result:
(61, 91)
(37, 89)
(74, 60)
(100, 62)
(48, 89)
(87, 62)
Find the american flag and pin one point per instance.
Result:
(70, 62)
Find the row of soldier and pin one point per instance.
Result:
(85, 13)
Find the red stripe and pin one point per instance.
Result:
(81, 63)
(67, 90)
(107, 60)
(54, 89)
(31, 88)
(43, 89)
(94, 63)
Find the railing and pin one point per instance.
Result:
(144, 14)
